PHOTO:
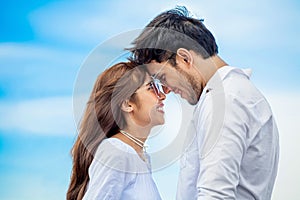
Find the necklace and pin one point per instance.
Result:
(135, 140)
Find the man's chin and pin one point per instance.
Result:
(190, 100)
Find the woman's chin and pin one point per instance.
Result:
(159, 122)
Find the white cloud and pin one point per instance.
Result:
(250, 23)
(48, 116)
(34, 69)
(36, 52)
(90, 22)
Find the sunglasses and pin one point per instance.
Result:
(159, 88)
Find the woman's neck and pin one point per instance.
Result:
(134, 137)
(138, 132)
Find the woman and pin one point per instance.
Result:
(109, 161)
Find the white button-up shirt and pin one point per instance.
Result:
(232, 147)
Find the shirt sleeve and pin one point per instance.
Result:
(108, 176)
(222, 143)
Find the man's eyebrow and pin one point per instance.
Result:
(156, 74)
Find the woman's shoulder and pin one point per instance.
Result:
(115, 146)
(116, 154)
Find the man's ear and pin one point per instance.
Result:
(185, 55)
(126, 106)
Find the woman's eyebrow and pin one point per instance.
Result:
(147, 83)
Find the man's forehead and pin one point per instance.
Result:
(155, 67)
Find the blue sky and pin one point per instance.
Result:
(44, 44)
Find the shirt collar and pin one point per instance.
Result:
(223, 72)
(215, 82)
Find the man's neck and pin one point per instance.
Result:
(218, 61)
(211, 65)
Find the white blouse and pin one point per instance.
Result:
(117, 172)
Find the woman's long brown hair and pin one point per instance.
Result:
(102, 118)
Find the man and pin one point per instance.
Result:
(233, 153)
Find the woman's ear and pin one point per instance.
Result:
(126, 106)
(185, 56)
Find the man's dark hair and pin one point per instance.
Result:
(170, 31)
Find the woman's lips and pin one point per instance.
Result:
(160, 108)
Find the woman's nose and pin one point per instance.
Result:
(161, 96)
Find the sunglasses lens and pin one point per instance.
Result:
(159, 88)
(156, 89)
